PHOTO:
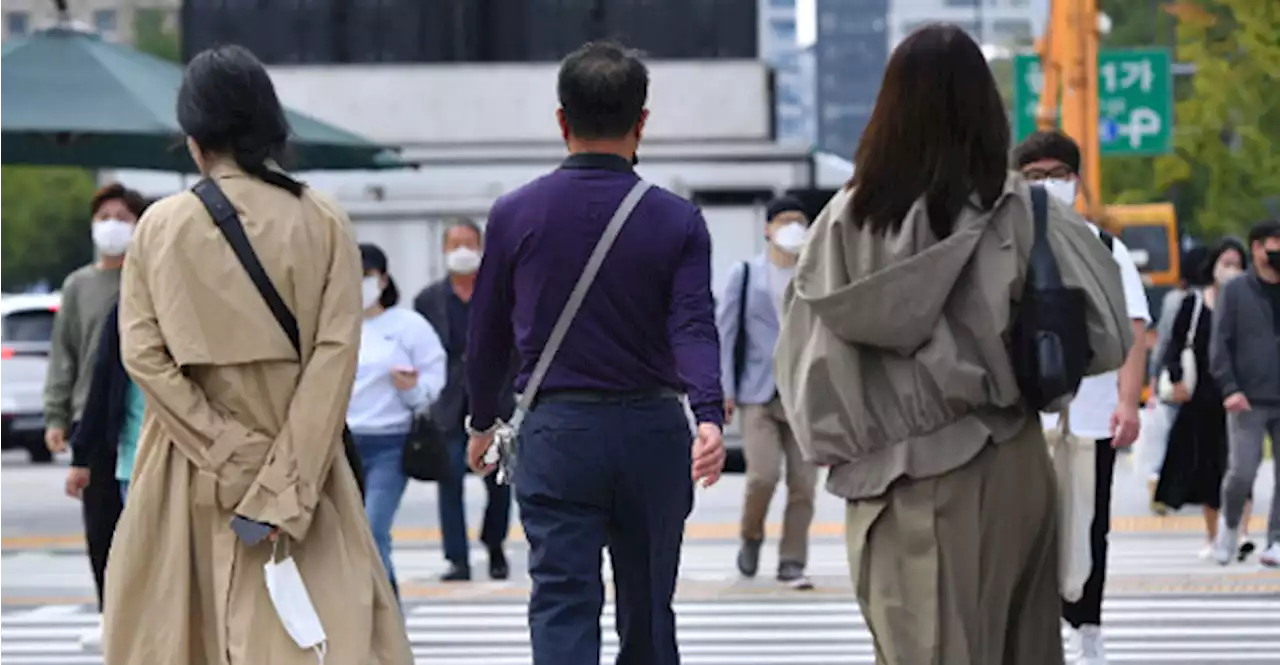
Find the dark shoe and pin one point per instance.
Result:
(749, 558)
(456, 573)
(792, 573)
(498, 569)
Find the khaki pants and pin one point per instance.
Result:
(767, 441)
(962, 569)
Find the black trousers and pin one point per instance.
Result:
(1088, 610)
(101, 507)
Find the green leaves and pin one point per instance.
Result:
(1228, 126)
(45, 223)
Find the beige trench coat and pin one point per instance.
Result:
(235, 424)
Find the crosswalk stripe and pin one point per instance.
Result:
(1150, 630)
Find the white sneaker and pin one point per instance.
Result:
(1224, 548)
(1271, 557)
(91, 640)
(1206, 553)
(1087, 642)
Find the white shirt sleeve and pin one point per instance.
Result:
(1135, 294)
(429, 358)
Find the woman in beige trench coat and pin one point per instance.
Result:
(235, 422)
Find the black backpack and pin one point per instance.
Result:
(1050, 341)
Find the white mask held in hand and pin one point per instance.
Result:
(790, 238)
(462, 261)
(293, 604)
(1063, 190)
(112, 237)
(370, 291)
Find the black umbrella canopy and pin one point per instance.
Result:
(70, 98)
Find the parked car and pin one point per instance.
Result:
(26, 332)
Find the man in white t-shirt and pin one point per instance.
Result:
(1106, 406)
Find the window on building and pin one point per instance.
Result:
(104, 20)
(782, 4)
(16, 23)
(784, 30)
(963, 3)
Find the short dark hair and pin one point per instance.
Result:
(1048, 144)
(602, 87)
(228, 104)
(463, 222)
(132, 199)
(372, 258)
(938, 131)
(1264, 230)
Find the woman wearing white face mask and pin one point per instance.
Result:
(1197, 456)
(400, 373)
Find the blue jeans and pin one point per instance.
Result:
(595, 475)
(453, 507)
(124, 489)
(384, 487)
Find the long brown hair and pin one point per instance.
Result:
(938, 130)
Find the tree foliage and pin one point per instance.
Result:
(45, 222)
(1228, 127)
(152, 33)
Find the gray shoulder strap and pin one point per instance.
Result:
(579, 293)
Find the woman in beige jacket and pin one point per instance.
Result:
(236, 422)
(894, 370)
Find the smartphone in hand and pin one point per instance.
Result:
(249, 531)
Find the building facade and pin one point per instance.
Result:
(793, 72)
(439, 31)
(855, 38)
(116, 20)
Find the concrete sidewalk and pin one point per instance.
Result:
(37, 516)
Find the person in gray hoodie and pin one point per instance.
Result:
(1245, 360)
(893, 368)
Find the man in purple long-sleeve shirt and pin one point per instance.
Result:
(605, 453)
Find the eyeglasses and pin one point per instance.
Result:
(1056, 173)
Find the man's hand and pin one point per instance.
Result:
(55, 439)
(77, 480)
(1236, 403)
(477, 446)
(1180, 394)
(708, 454)
(1125, 426)
(729, 407)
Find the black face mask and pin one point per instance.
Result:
(1273, 259)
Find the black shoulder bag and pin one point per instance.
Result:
(740, 341)
(228, 222)
(1050, 340)
(425, 455)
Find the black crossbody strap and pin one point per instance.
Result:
(228, 222)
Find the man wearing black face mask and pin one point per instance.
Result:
(1245, 360)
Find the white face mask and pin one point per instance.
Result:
(1224, 274)
(371, 291)
(293, 604)
(1064, 190)
(112, 237)
(462, 261)
(790, 238)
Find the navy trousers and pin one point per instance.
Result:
(596, 474)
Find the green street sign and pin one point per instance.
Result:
(1135, 100)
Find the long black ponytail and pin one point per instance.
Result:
(228, 104)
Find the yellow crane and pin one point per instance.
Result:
(1069, 62)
